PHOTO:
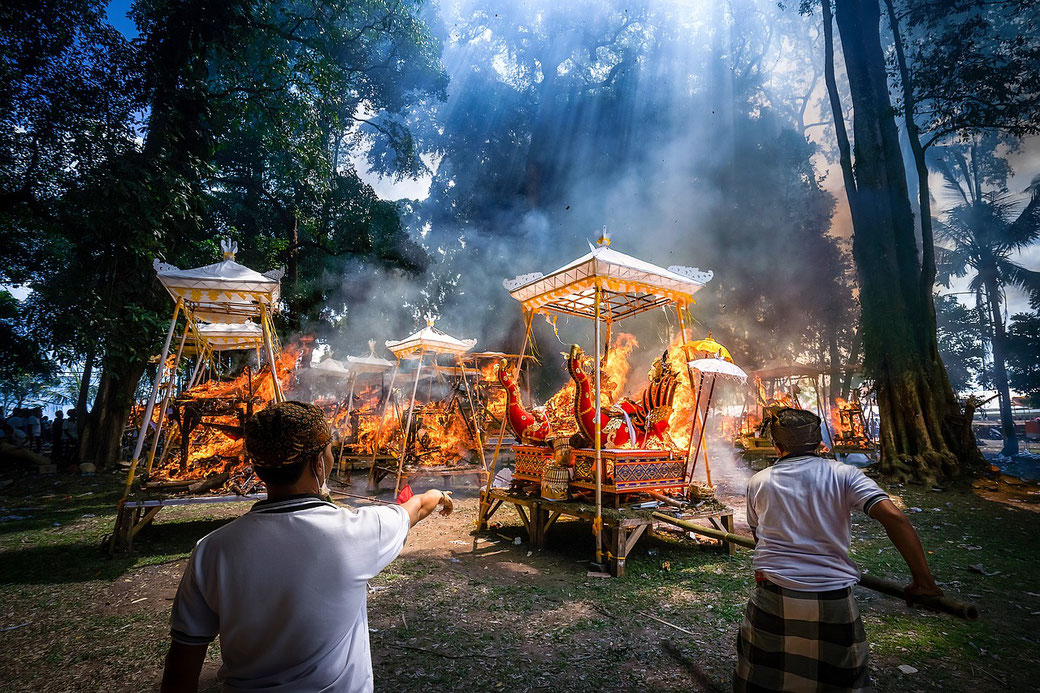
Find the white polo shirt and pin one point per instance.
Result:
(800, 510)
(285, 588)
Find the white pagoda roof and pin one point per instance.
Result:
(629, 285)
(368, 364)
(331, 367)
(224, 291)
(429, 339)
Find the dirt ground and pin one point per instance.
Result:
(466, 612)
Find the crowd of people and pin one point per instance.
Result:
(28, 435)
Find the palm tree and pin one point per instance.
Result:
(981, 235)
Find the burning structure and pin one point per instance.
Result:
(220, 307)
(605, 286)
(438, 432)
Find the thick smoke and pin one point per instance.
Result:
(668, 123)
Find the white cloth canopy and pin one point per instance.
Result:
(632, 285)
(222, 292)
(429, 339)
(230, 336)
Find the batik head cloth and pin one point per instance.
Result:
(286, 433)
(796, 430)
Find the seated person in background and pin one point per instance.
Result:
(802, 629)
(285, 585)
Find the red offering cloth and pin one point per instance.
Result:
(404, 495)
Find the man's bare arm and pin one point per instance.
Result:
(905, 539)
(419, 507)
(183, 666)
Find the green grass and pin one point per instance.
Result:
(483, 621)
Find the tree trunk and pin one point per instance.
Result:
(1000, 376)
(84, 390)
(923, 429)
(102, 438)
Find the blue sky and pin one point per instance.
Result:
(117, 10)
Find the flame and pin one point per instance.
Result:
(848, 425)
(219, 451)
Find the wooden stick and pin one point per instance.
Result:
(670, 625)
(946, 605)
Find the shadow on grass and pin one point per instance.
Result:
(83, 560)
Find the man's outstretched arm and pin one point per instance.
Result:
(183, 666)
(419, 507)
(905, 539)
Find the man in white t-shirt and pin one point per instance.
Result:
(285, 585)
(802, 629)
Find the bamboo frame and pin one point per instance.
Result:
(597, 524)
(408, 426)
(505, 417)
(268, 329)
(473, 414)
(159, 373)
(379, 426)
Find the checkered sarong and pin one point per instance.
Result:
(801, 641)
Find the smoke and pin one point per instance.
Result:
(670, 124)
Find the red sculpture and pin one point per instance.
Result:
(531, 427)
(628, 423)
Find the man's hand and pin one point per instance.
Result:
(421, 506)
(916, 589)
(446, 505)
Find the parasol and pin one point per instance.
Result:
(719, 367)
(707, 346)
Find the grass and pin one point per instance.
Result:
(72, 618)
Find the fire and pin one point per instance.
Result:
(848, 425)
(215, 459)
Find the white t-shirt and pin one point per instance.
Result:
(285, 587)
(34, 426)
(800, 509)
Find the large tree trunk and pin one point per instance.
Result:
(923, 431)
(1000, 376)
(102, 437)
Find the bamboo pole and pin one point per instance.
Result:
(473, 413)
(700, 439)
(379, 426)
(696, 422)
(269, 336)
(505, 415)
(166, 397)
(597, 524)
(891, 588)
(408, 426)
(159, 372)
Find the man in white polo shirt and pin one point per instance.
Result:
(285, 585)
(802, 630)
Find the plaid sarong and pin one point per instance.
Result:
(801, 641)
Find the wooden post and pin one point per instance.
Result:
(159, 372)
(597, 524)
(379, 426)
(166, 397)
(700, 439)
(268, 328)
(505, 416)
(408, 426)
(473, 413)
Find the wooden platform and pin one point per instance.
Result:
(135, 515)
(383, 471)
(622, 527)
